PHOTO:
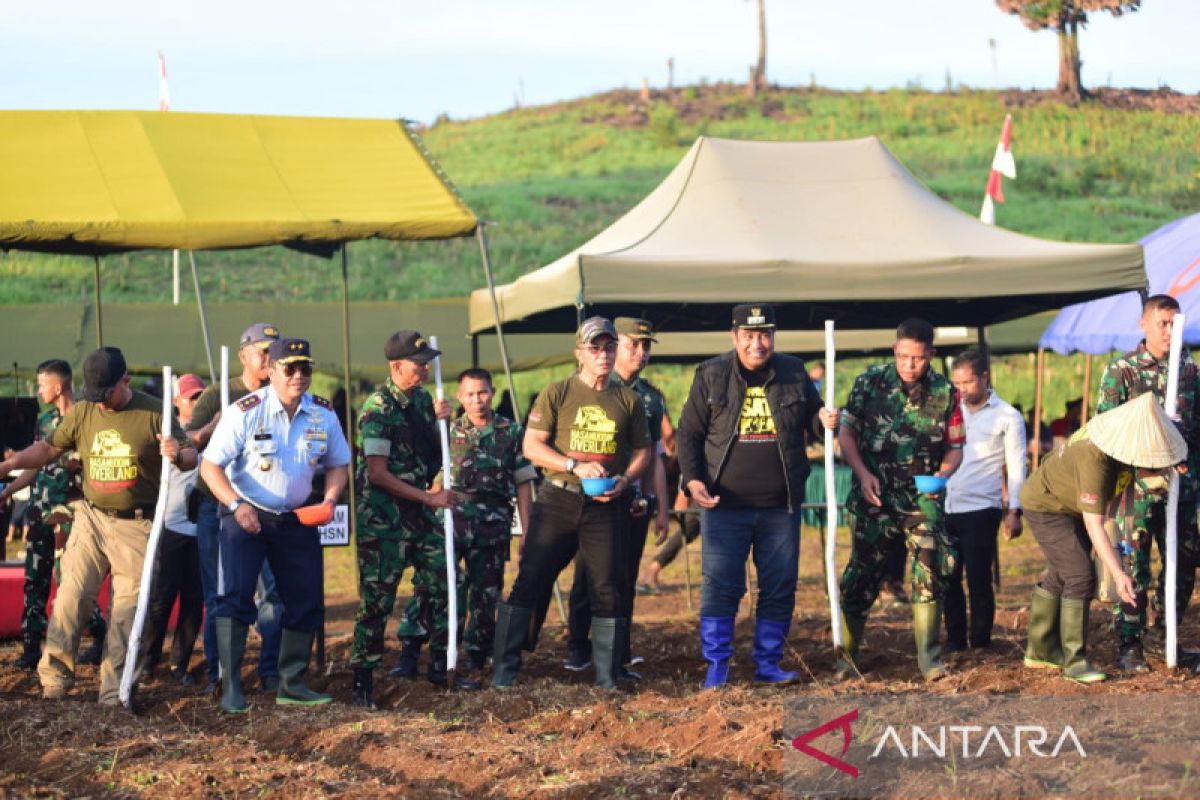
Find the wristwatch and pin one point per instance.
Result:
(233, 504)
(570, 464)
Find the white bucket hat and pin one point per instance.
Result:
(1139, 433)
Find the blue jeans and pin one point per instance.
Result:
(208, 528)
(728, 537)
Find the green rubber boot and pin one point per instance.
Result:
(295, 647)
(927, 629)
(852, 632)
(1072, 629)
(1044, 649)
(231, 645)
(512, 627)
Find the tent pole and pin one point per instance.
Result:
(475, 351)
(481, 235)
(1087, 388)
(984, 350)
(212, 370)
(349, 414)
(99, 313)
(1037, 407)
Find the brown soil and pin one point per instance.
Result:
(551, 736)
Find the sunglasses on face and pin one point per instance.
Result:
(303, 368)
(597, 349)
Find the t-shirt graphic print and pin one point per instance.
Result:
(113, 465)
(593, 435)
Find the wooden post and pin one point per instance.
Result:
(1087, 389)
(1037, 407)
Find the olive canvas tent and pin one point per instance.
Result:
(823, 230)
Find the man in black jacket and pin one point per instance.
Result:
(742, 454)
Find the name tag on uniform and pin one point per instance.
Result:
(261, 437)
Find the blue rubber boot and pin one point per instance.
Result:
(769, 636)
(716, 642)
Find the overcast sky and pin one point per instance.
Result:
(392, 58)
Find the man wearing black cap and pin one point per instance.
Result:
(256, 371)
(259, 465)
(647, 498)
(742, 455)
(397, 526)
(585, 426)
(117, 433)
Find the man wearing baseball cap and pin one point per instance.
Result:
(256, 370)
(260, 465)
(648, 496)
(742, 439)
(585, 426)
(400, 455)
(114, 430)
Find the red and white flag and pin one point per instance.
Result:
(164, 96)
(1002, 164)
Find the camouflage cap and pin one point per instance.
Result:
(593, 328)
(635, 328)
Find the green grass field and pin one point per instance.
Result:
(551, 177)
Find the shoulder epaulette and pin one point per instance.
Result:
(322, 402)
(249, 401)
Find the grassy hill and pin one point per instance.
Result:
(551, 177)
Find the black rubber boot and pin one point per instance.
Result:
(437, 675)
(231, 644)
(94, 654)
(295, 648)
(1130, 658)
(364, 688)
(32, 653)
(512, 628)
(410, 654)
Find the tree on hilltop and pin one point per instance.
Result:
(1066, 17)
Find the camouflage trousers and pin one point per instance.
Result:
(917, 519)
(381, 563)
(1141, 519)
(482, 550)
(39, 563)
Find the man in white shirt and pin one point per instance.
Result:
(994, 450)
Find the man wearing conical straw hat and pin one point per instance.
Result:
(1065, 502)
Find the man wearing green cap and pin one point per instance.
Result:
(634, 340)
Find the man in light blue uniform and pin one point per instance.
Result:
(259, 465)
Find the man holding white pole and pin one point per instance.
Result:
(742, 439)
(114, 430)
(397, 526)
(1141, 516)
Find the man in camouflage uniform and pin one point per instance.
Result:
(49, 519)
(1141, 510)
(399, 456)
(901, 420)
(488, 471)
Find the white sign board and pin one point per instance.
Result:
(336, 532)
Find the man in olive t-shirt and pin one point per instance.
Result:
(116, 432)
(582, 427)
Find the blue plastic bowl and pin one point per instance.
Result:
(593, 487)
(930, 484)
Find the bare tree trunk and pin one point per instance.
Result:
(760, 70)
(1069, 84)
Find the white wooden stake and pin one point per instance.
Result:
(160, 511)
(447, 525)
(831, 506)
(1173, 495)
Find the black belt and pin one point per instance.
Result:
(141, 512)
